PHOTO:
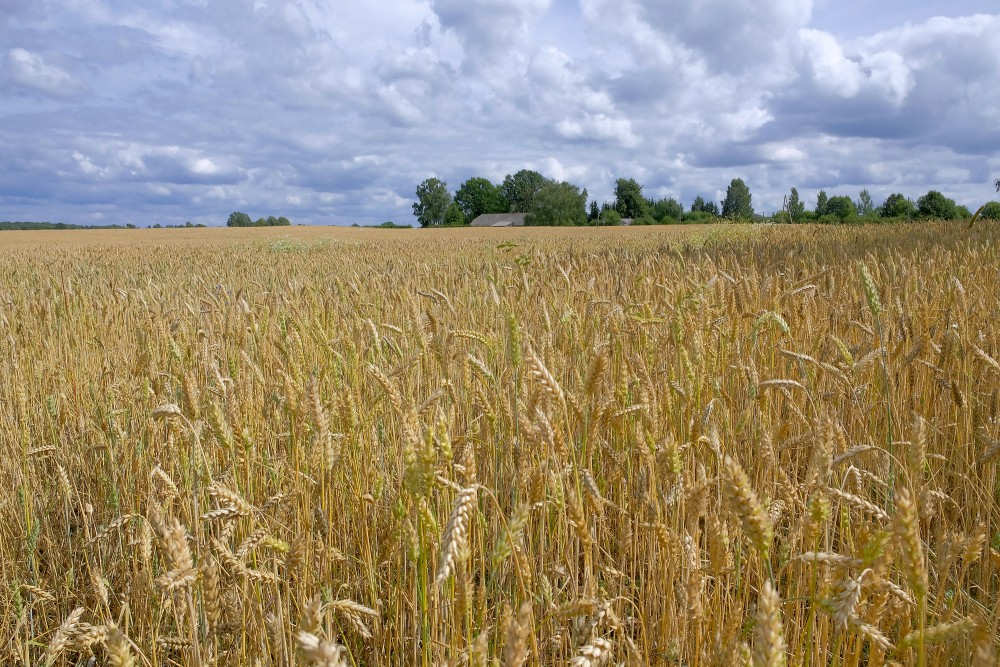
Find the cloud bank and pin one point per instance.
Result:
(112, 112)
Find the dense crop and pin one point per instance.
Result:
(708, 446)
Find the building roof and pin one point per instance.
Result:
(499, 220)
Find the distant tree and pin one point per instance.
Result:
(433, 200)
(454, 216)
(896, 206)
(842, 207)
(478, 196)
(698, 204)
(711, 207)
(796, 207)
(821, 200)
(864, 204)
(595, 212)
(239, 219)
(996, 184)
(519, 190)
(667, 209)
(738, 202)
(283, 221)
(991, 211)
(558, 204)
(629, 201)
(936, 205)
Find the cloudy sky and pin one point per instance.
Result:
(331, 112)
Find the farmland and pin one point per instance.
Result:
(697, 445)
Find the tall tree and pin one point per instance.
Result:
(478, 196)
(841, 206)
(595, 211)
(936, 205)
(558, 204)
(629, 201)
(519, 190)
(239, 219)
(698, 204)
(896, 206)
(864, 204)
(821, 200)
(738, 202)
(796, 207)
(432, 203)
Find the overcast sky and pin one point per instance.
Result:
(116, 111)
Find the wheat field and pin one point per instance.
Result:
(687, 446)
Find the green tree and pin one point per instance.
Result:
(667, 209)
(595, 212)
(432, 204)
(454, 216)
(478, 196)
(842, 207)
(239, 219)
(711, 207)
(796, 207)
(283, 221)
(821, 201)
(629, 201)
(738, 202)
(864, 204)
(698, 204)
(558, 204)
(991, 211)
(610, 218)
(519, 190)
(936, 205)
(896, 206)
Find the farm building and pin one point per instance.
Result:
(499, 220)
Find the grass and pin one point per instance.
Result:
(697, 445)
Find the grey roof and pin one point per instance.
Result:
(499, 220)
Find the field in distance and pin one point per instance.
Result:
(313, 234)
(710, 445)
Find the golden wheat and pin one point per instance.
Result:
(516, 447)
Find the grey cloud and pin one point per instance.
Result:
(733, 36)
(492, 32)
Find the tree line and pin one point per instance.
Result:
(555, 203)
(241, 219)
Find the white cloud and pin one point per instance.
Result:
(832, 72)
(32, 71)
(337, 113)
(598, 128)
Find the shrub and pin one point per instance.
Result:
(610, 218)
